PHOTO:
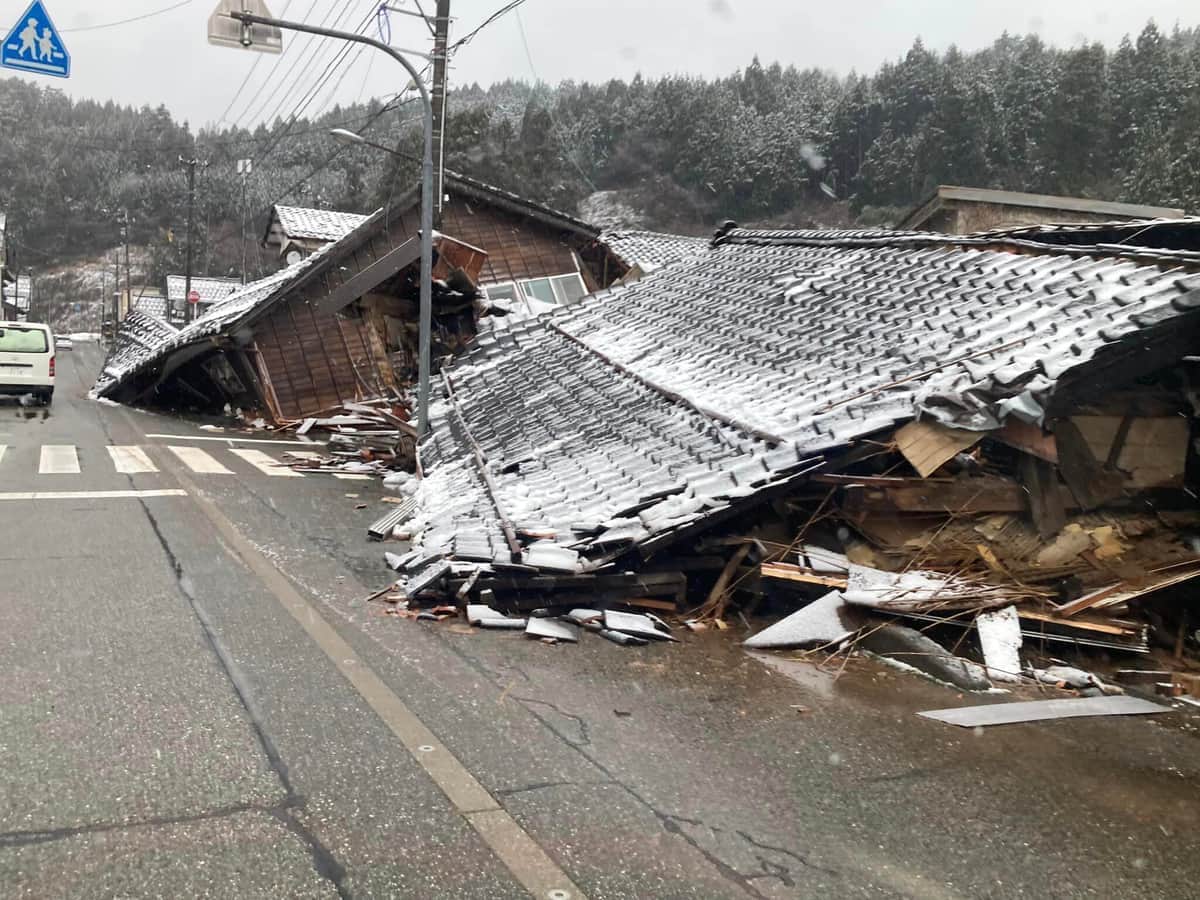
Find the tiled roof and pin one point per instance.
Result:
(219, 317)
(152, 305)
(707, 381)
(650, 250)
(211, 290)
(138, 341)
(242, 306)
(316, 224)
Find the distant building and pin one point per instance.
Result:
(297, 231)
(18, 296)
(211, 290)
(152, 303)
(963, 210)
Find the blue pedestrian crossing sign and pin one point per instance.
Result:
(33, 45)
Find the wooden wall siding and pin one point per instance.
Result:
(516, 247)
(314, 361)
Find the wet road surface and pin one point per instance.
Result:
(174, 722)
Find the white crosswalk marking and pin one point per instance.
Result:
(199, 461)
(131, 460)
(58, 459)
(264, 463)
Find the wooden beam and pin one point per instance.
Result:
(1045, 499)
(371, 277)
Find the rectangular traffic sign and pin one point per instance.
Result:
(33, 45)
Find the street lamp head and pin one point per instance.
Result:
(347, 137)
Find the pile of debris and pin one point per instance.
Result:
(374, 437)
(956, 531)
(962, 433)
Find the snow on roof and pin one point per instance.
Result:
(650, 250)
(210, 290)
(730, 371)
(303, 223)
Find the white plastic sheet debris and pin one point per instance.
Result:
(1000, 639)
(552, 629)
(1040, 710)
(638, 625)
(824, 621)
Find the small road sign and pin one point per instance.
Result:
(33, 45)
(194, 297)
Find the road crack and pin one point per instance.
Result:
(11, 839)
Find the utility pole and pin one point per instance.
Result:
(441, 29)
(187, 275)
(116, 310)
(128, 276)
(244, 167)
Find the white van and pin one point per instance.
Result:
(27, 360)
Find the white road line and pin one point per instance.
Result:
(59, 459)
(88, 495)
(234, 439)
(264, 463)
(351, 476)
(199, 461)
(305, 454)
(131, 460)
(3, 447)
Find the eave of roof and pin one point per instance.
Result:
(945, 192)
(507, 200)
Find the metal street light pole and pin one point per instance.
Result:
(426, 313)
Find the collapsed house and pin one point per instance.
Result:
(339, 324)
(919, 424)
(337, 327)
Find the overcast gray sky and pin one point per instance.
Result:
(166, 59)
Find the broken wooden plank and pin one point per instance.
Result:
(1029, 438)
(985, 494)
(930, 445)
(716, 597)
(789, 572)
(1123, 591)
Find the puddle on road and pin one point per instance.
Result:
(814, 679)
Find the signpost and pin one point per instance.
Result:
(33, 45)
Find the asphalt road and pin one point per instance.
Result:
(196, 701)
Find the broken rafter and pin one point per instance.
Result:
(510, 534)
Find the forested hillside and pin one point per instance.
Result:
(770, 143)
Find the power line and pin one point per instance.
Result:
(283, 80)
(304, 101)
(466, 39)
(558, 132)
(149, 15)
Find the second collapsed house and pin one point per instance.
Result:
(575, 450)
